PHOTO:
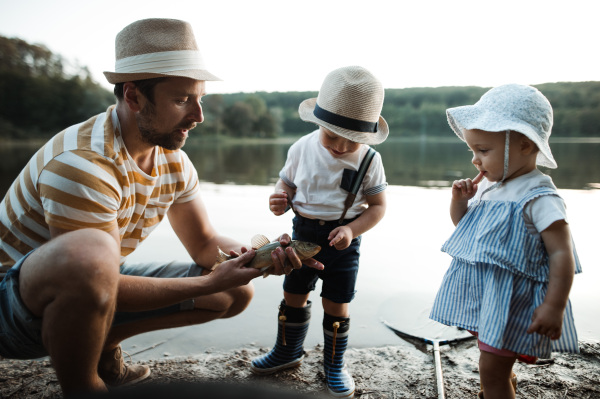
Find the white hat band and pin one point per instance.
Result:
(163, 62)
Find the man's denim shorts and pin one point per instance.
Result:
(341, 267)
(20, 330)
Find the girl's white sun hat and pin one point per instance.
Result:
(515, 107)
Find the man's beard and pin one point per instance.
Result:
(148, 133)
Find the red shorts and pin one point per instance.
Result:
(504, 352)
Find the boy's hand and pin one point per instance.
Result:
(547, 320)
(340, 237)
(278, 202)
(285, 258)
(465, 189)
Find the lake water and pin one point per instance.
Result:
(401, 261)
(433, 162)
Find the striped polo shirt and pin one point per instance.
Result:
(85, 178)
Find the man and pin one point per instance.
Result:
(90, 196)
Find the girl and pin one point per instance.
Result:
(513, 256)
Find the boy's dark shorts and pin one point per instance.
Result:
(20, 330)
(341, 267)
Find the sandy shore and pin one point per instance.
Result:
(384, 372)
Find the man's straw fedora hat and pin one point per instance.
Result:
(349, 104)
(157, 47)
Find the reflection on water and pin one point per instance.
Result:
(438, 163)
(422, 163)
(427, 163)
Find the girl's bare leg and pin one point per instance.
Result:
(495, 373)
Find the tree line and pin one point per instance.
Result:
(42, 93)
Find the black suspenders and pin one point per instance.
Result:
(362, 170)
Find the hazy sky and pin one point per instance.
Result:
(283, 45)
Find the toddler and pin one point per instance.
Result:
(321, 169)
(513, 256)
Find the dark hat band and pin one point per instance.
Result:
(345, 122)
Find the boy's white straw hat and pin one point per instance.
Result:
(515, 107)
(157, 47)
(349, 104)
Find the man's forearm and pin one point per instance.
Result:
(146, 293)
(205, 254)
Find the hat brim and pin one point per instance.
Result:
(196, 74)
(469, 117)
(306, 112)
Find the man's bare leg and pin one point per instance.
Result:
(71, 282)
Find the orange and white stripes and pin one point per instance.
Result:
(84, 178)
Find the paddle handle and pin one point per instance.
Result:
(438, 370)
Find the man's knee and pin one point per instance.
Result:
(82, 265)
(240, 299)
(87, 246)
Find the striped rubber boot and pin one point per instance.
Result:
(288, 350)
(339, 382)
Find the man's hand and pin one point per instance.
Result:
(285, 258)
(234, 273)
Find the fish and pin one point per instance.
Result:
(264, 247)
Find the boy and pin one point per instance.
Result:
(318, 174)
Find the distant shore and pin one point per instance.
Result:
(9, 142)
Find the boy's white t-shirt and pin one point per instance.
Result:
(316, 175)
(540, 212)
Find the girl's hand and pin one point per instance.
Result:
(340, 237)
(547, 320)
(278, 202)
(465, 189)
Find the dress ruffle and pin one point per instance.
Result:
(498, 305)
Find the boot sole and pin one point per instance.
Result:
(341, 395)
(272, 370)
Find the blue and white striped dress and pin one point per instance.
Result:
(498, 276)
